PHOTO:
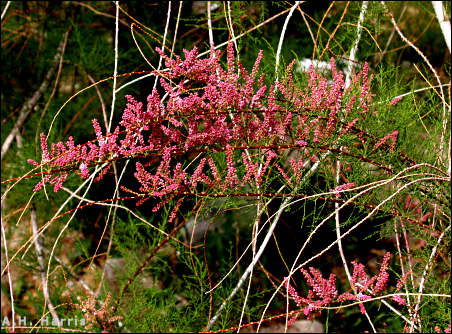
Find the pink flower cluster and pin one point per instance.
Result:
(415, 206)
(392, 136)
(395, 100)
(323, 291)
(447, 330)
(342, 187)
(213, 110)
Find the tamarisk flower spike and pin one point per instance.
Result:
(323, 292)
(214, 109)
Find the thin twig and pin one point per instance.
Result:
(90, 180)
(389, 305)
(264, 242)
(281, 38)
(231, 28)
(168, 15)
(399, 251)
(10, 282)
(124, 208)
(352, 58)
(388, 42)
(327, 46)
(115, 71)
(3, 14)
(424, 274)
(255, 232)
(252, 264)
(60, 66)
(444, 23)
(84, 4)
(380, 184)
(175, 29)
(139, 50)
(209, 23)
(318, 30)
(153, 252)
(337, 308)
(42, 268)
(307, 25)
(255, 228)
(102, 103)
(20, 143)
(28, 107)
(354, 49)
(216, 47)
(408, 251)
(406, 40)
(112, 229)
(108, 127)
(71, 272)
(409, 93)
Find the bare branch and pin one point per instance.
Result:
(168, 15)
(419, 52)
(115, 71)
(348, 70)
(11, 293)
(5, 9)
(281, 37)
(265, 242)
(28, 107)
(42, 268)
(209, 23)
(444, 23)
(424, 274)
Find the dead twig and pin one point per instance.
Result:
(9, 274)
(42, 268)
(60, 66)
(443, 20)
(28, 107)
(79, 3)
(5, 9)
(419, 52)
